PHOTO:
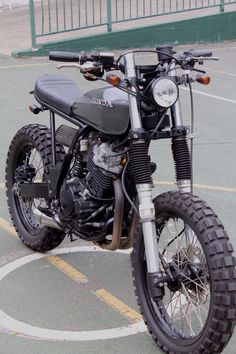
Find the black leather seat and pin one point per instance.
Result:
(57, 91)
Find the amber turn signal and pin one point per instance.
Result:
(123, 161)
(113, 79)
(205, 80)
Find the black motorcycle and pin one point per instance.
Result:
(92, 180)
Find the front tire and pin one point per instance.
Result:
(31, 146)
(197, 313)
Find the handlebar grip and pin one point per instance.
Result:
(198, 53)
(64, 56)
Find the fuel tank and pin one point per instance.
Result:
(106, 109)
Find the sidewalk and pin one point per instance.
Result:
(14, 30)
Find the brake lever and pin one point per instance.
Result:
(86, 66)
(201, 59)
(61, 66)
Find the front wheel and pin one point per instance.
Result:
(197, 313)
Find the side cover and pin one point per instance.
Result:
(106, 109)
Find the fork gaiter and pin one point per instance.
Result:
(140, 162)
(182, 160)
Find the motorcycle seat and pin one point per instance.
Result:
(57, 91)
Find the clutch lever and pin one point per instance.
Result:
(84, 67)
(202, 58)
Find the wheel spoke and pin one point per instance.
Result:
(182, 319)
(185, 306)
(197, 285)
(192, 305)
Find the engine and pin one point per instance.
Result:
(103, 165)
(87, 194)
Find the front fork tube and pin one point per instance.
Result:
(184, 180)
(147, 217)
(180, 150)
(183, 164)
(144, 187)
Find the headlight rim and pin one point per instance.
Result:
(155, 81)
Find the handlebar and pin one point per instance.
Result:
(105, 59)
(102, 61)
(64, 56)
(198, 53)
(191, 57)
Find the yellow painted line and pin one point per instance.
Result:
(102, 294)
(5, 225)
(118, 305)
(215, 188)
(196, 185)
(67, 269)
(200, 186)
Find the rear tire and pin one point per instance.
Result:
(197, 314)
(31, 146)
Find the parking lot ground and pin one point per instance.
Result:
(77, 299)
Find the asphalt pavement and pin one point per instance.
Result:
(77, 300)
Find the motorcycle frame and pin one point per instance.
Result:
(144, 191)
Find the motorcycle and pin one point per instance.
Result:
(92, 179)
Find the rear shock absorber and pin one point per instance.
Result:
(182, 161)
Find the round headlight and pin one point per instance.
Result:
(165, 92)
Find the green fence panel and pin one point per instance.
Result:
(52, 17)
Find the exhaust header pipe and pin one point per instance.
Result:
(45, 219)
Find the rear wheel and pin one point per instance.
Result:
(197, 312)
(29, 158)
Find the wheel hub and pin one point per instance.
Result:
(25, 173)
(193, 275)
(174, 283)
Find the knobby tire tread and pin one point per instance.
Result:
(218, 251)
(40, 136)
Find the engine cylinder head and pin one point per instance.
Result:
(99, 181)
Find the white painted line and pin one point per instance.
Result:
(20, 328)
(13, 326)
(211, 96)
(220, 71)
(223, 48)
(23, 66)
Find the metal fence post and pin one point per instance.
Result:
(109, 16)
(32, 23)
(222, 5)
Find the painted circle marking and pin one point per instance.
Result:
(12, 326)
